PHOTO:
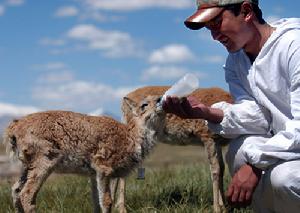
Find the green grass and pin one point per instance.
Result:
(177, 180)
(178, 188)
(59, 194)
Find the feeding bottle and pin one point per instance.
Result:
(185, 86)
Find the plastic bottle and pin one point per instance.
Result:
(185, 86)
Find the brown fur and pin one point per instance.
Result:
(69, 142)
(192, 131)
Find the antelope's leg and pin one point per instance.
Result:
(95, 195)
(215, 172)
(103, 186)
(37, 172)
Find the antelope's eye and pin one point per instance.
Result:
(158, 100)
(143, 106)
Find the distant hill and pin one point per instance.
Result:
(114, 116)
(4, 121)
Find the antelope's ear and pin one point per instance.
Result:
(129, 107)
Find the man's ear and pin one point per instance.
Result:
(247, 11)
(129, 107)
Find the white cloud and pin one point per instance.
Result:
(205, 35)
(52, 42)
(15, 2)
(75, 89)
(164, 73)
(56, 77)
(78, 95)
(173, 53)
(86, 12)
(9, 3)
(83, 37)
(2, 10)
(279, 9)
(16, 110)
(112, 43)
(66, 11)
(50, 66)
(98, 16)
(94, 15)
(272, 18)
(121, 5)
(72, 94)
(97, 112)
(214, 59)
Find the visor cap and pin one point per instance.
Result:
(208, 9)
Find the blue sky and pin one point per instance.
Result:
(85, 55)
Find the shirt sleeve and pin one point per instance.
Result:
(245, 115)
(285, 145)
(241, 118)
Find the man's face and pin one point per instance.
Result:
(230, 30)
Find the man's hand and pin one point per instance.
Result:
(184, 107)
(242, 186)
(192, 108)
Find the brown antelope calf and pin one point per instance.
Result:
(69, 142)
(189, 131)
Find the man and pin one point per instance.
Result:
(263, 74)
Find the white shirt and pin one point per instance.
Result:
(267, 96)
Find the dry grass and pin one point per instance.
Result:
(2, 148)
(165, 155)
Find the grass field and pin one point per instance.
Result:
(177, 180)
